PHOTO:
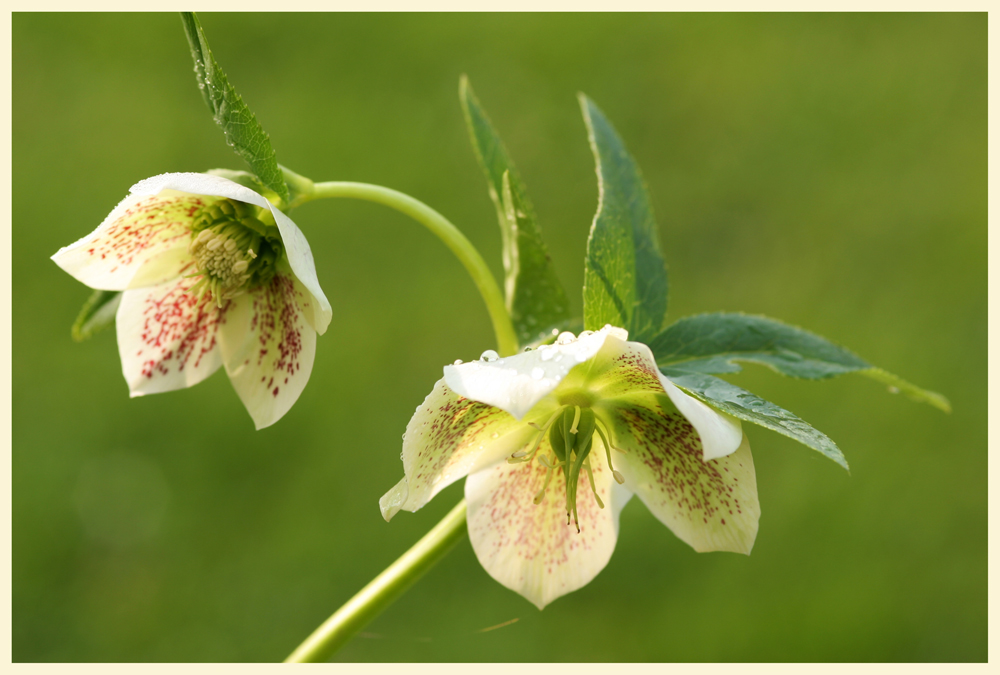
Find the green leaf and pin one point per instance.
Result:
(535, 298)
(742, 404)
(713, 343)
(96, 314)
(243, 131)
(625, 282)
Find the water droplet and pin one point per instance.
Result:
(559, 357)
(489, 356)
(586, 333)
(555, 331)
(893, 390)
(457, 362)
(526, 349)
(496, 434)
(537, 373)
(565, 338)
(547, 353)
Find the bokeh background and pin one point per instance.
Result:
(826, 170)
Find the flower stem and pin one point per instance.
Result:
(451, 236)
(382, 590)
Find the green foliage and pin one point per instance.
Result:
(742, 404)
(96, 314)
(536, 300)
(625, 281)
(713, 343)
(243, 131)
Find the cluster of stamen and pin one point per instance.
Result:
(571, 432)
(234, 249)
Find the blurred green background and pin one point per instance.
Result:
(825, 170)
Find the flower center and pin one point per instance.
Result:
(235, 246)
(571, 432)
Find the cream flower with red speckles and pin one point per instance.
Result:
(213, 275)
(594, 414)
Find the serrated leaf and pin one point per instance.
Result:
(535, 298)
(96, 314)
(740, 403)
(241, 128)
(713, 343)
(625, 282)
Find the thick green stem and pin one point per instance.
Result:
(382, 591)
(451, 236)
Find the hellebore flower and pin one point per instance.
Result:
(555, 441)
(213, 274)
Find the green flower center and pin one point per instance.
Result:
(571, 431)
(235, 246)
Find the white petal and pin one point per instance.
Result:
(167, 337)
(199, 184)
(268, 348)
(627, 372)
(516, 383)
(711, 505)
(296, 247)
(448, 437)
(721, 434)
(129, 248)
(529, 548)
(301, 260)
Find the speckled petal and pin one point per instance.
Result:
(167, 338)
(296, 247)
(529, 548)
(142, 242)
(711, 505)
(516, 383)
(626, 373)
(448, 437)
(268, 348)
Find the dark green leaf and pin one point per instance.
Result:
(535, 298)
(96, 314)
(625, 281)
(713, 343)
(243, 131)
(742, 404)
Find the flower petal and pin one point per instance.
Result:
(167, 337)
(529, 548)
(123, 251)
(711, 505)
(516, 383)
(626, 372)
(721, 434)
(296, 247)
(448, 437)
(301, 260)
(199, 184)
(268, 348)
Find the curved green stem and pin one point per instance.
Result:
(451, 236)
(371, 600)
(382, 591)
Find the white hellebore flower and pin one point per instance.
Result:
(213, 275)
(555, 441)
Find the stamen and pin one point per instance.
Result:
(576, 420)
(593, 488)
(541, 493)
(607, 448)
(517, 456)
(549, 463)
